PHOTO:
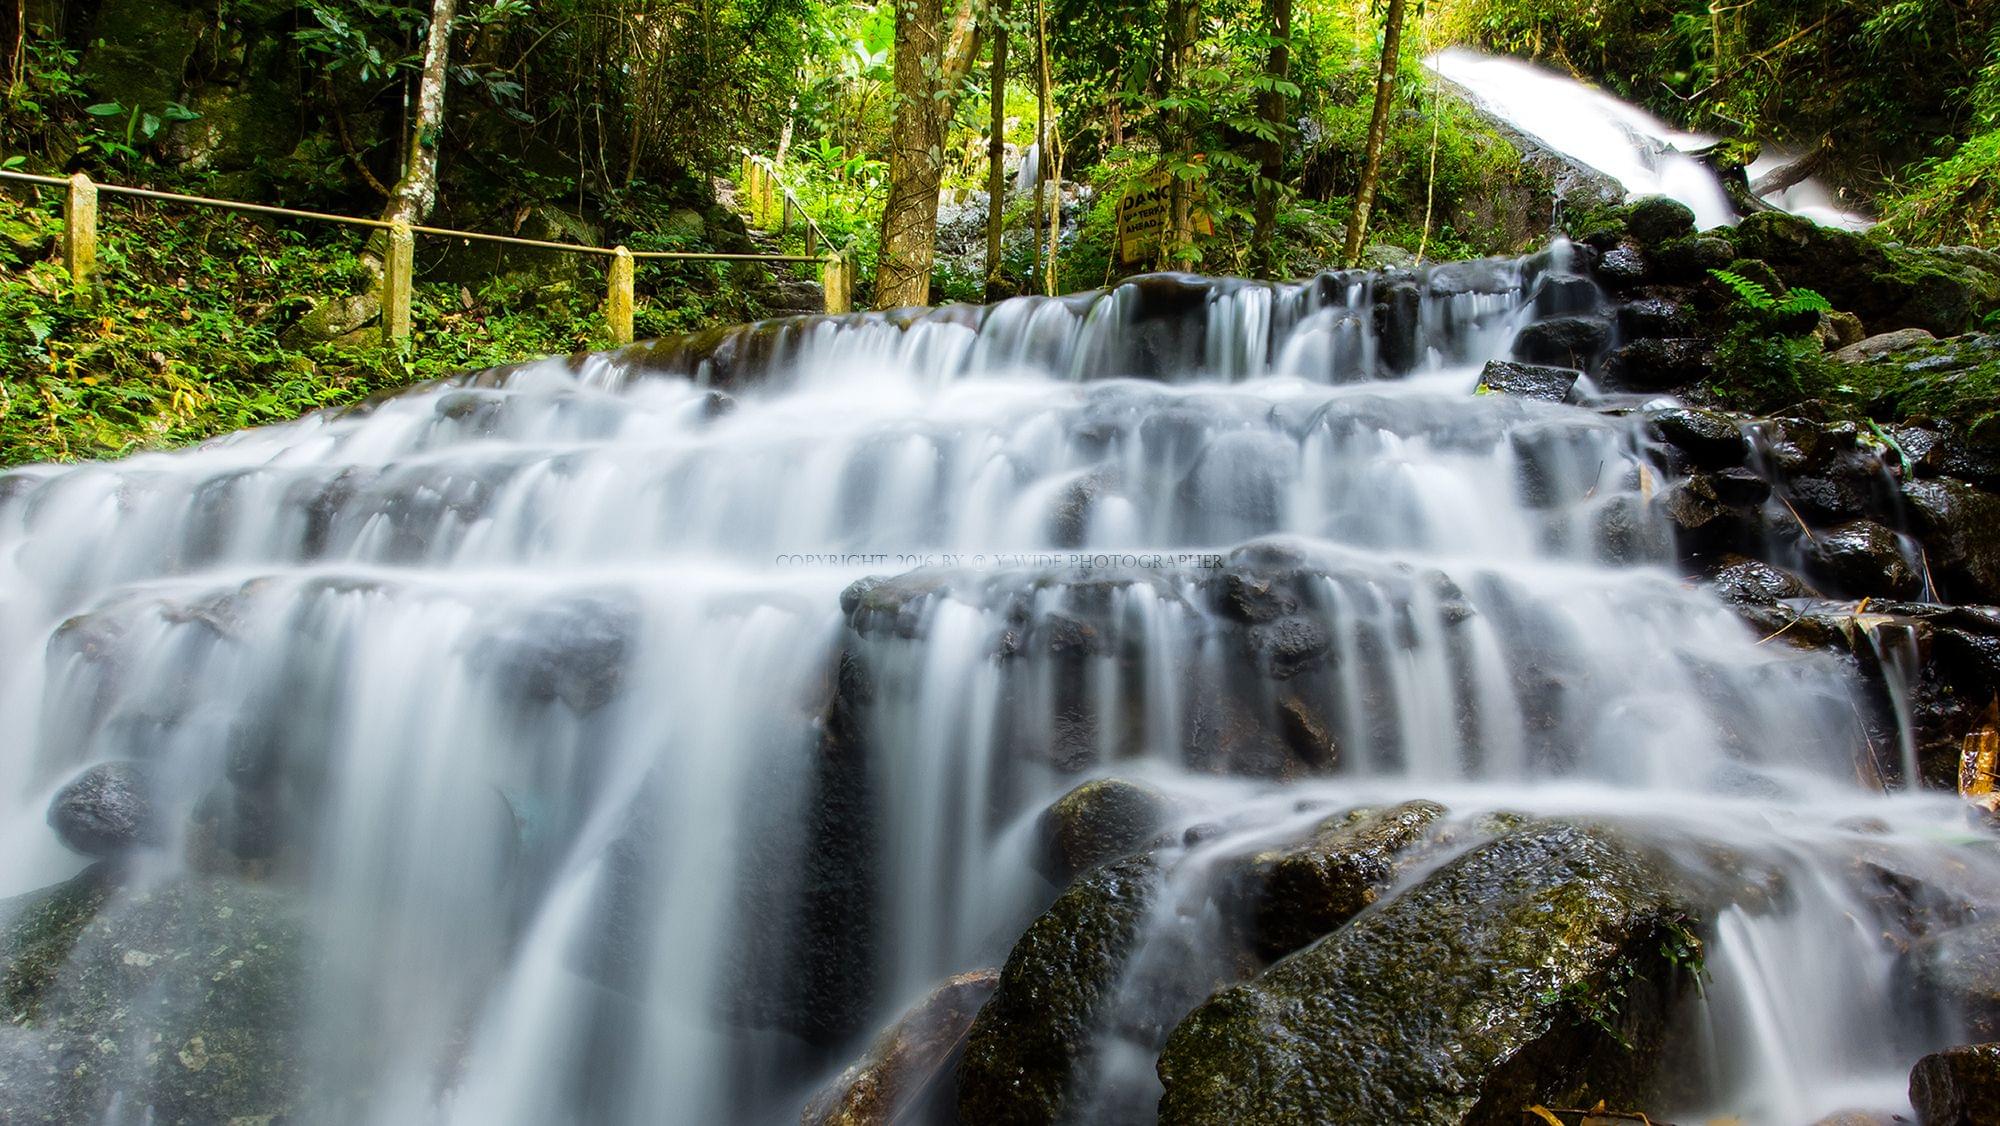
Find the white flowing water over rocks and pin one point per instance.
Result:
(1641, 152)
(525, 681)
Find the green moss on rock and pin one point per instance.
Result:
(1532, 968)
(178, 998)
(1301, 893)
(1033, 1038)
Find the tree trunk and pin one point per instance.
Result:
(927, 77)
(1051, 155)
(1183, 25)
(996, 152)
(416, 193)
(1378, 126)
(1271, 107)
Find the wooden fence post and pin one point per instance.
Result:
(618, 302)
(398, 274)
(79, 240)
(835, 280)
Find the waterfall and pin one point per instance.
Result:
(1644, 154)
(642, 731)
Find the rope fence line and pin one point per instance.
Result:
(79, 244)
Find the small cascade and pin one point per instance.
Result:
(635, 735)
(1644, 154)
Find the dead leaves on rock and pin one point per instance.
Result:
(1979, 760)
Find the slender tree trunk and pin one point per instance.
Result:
(1052, 155)
(996, 151)
(1271, 107)
(927, 75)
(1371, 169)
(916, 158)
(1183, 25)
(416, 193)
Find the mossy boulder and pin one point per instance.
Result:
(1655, 220)
(179, 999)
(1032, 1041)
(1296, 895)
(1532, 969)
(1888, 286)
(140, 51)
(1103, 819)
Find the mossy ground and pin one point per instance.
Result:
(186, 336)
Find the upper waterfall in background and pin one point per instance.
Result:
(1641, 152)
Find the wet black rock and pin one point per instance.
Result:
(107, 810)
(1557, 295)
(1656, 364)
(1657, 219)
(1960, 527)
(1827, 500)
(1754, 582)
(1957, 1087)
(1738, 486)
(1574, 341)
(1036, 1034)
(1709, 439)
(1623, 267)
(1656, 316)
(1398, 319)
(1102, 820)
(1459, 1001)
(1528, 381)
(1297, 894)
(1287, 645)
(1863, 559)
(1959, 970)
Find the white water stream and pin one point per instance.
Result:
(541, 670)
(1633, 147)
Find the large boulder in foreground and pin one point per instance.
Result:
(902, 1067)
(1496, 983)
(177, 1002)
(1958, 1086)
(1032, 1041)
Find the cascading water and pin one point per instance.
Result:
(1644, 154)
(640, 732)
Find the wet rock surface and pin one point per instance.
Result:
(1102, 820)
(107, 810)
(1460, 1001)
(1034, 1038)
(1957, 1087)
(1298, 894)
(909, 1065)
(182, 995)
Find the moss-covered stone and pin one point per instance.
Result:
(1298, 894)
(1034, 1037)
(1886, 285)
(1103, 819)
(140, 51)
(40, 929)
(179, 999)
(1533, 968)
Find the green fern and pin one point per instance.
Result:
(1757, 297)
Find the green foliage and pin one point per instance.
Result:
(1756, 297)
(1953, 201)
(187, 335)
